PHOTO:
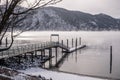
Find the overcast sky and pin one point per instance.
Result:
(110, 7)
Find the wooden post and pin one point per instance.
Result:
(50, 56)
(44, 53)
(44, 57)
(62, 42)
(72, 42)
(76, 43)
(80, 41)
(19, 59)
(32, 56)
(6, 42)
(110, 59)
(56, 54)
(25, 55)
(62, 48)
(41, 55)
(67, 43)
(35, 53)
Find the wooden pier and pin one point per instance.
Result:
(33, 48)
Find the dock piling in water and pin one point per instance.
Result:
(62, 48)
(50, 56)
(41, 55)
(56, 54)
(110, 59)
(72, 42)
(6, 42)
(32, 56)
(76, 43)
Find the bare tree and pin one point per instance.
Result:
(11, 14)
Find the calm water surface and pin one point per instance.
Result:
(94, 59)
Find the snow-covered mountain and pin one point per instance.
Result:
(53, 18)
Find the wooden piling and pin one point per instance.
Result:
(62, 48)
(35, 53)
(19, 59)
(32, 56)
(41, 55)
(44, 52)
(110, 59)
(56, 54)
(6, 42)
(44, 57)
(76, 43)
(25, 55)
(50, 56)
(72, 42)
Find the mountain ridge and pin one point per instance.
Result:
(54, 18)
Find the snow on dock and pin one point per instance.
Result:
(69, 50)
(76, 48)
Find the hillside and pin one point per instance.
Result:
(53, 18)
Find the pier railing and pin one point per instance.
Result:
(27, 48)
(21, 49)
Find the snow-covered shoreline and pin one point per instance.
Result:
(56, 75)
(10, 74)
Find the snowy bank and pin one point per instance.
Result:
(56, 75)
(9, 74)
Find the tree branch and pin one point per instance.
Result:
(12, 15)
(35, 6)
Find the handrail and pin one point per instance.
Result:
(21, 49)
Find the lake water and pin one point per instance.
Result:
(94, 60)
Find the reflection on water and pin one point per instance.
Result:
(86, 62)
(92, 60)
